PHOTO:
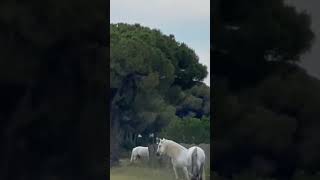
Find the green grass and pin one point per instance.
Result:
(141, 171)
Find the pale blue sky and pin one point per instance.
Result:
(187, 20)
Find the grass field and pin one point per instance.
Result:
(142, 172)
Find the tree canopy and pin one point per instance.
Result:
(155, 80)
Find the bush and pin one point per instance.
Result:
(188, 130)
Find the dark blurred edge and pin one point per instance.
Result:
(212, 16)
(53, 89)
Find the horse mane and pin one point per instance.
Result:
(173, 148)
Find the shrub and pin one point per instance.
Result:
(188, 130)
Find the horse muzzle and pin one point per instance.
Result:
(157, 154)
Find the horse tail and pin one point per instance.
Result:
(194, 158)
(194, 155)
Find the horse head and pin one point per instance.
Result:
(161, 147)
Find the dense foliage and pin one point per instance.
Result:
(191, 130)
(266, 107)
(154, 81)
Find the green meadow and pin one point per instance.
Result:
(140, 171)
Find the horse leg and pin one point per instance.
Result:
(134, 158)
(202, 173)
(186, 173)
(175, 172)
(131, 159)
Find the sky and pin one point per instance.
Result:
(311, 60)
(187, 20)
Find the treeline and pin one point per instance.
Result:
(156, 82)
(266, 107)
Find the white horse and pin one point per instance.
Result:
(177, 153)
(191, 160)
(197, 157)
(139, 152)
